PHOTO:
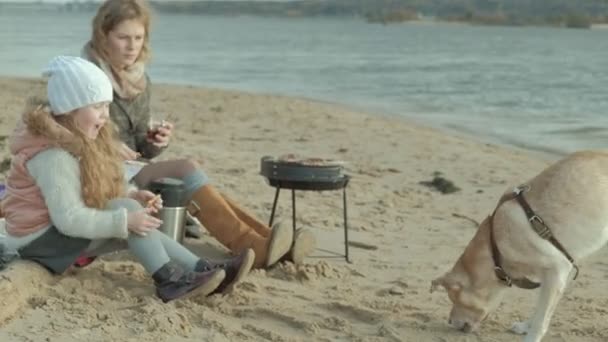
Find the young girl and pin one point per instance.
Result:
(66, 195)
(120, 47)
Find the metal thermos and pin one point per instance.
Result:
(174, 220)
(173, 213)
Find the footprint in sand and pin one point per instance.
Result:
(281, 326)
(37, 301)
(335, 324)
(354, 312)
(421, 317)
(389, 334)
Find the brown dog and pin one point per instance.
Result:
(571, 198)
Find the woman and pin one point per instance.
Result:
(66, 195)
(120, 47)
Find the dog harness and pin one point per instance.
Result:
(539, 226)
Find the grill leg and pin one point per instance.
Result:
(274, 206)
(345, 226)
(293, 211)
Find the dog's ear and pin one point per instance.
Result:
(446, 281)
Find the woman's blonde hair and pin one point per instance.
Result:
(101, 169)
(113, 12)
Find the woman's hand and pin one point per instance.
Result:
(147, 199)
(141, 222)
(127, 153)
(159, 136)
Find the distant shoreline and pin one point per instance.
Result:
(399, 11)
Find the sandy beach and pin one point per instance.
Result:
(405, 235)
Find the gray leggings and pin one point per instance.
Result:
(184, 169)
(153, 250)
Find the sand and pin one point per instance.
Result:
(405, 234)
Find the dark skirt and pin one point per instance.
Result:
(54, 250)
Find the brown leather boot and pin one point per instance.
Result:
(172, 282)
(210, 208)
(304, 241)
(249, 219)
(236, 268)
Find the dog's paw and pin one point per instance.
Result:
(520, 328)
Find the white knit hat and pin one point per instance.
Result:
(75, 83)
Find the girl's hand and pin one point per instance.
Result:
(141, 222)
(147, 199)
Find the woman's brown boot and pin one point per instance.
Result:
(304, 242)
(210, 208)
(249, 219)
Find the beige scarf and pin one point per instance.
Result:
(127, 83)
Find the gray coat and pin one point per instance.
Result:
(132, 118)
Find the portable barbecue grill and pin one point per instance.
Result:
(308, 175)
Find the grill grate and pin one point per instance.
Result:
(304, 174)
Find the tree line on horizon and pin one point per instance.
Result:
(579, 13)
(567, 13)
